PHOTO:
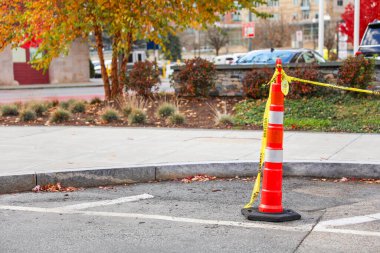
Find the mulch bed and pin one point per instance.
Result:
(198, 112)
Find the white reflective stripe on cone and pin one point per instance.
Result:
(273, 155)
(276, 117)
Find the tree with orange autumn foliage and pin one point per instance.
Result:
(57, 23)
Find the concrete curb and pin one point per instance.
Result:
(146, 173)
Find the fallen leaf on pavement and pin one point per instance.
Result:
(198, 178)
(106, 187)
(55, 188)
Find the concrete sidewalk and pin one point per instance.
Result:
(43, 150)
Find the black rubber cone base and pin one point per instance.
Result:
(254, 214)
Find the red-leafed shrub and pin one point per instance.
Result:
(196, 77)
(299, 89)
(356, 72)
(144, 77)
(254, 83)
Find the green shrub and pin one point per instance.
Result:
(27, 115)
(52, 103)
(226, 119)
(143, 77)
(221, 116)
(197, 77)
(307, 72)
(110, 115)
(137, 116)
(78, 107)
(9, 110)
(177, 119)
(127, 110)
(165, 110)
(254, 83)
(60, 115)
(95, 100)
(64, 105)
(356, 72)
(38, 108)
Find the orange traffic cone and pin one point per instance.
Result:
(270, 208)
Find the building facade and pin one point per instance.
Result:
(297, 15)
(72, 68)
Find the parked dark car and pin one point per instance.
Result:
(269, 56)
(370, 44)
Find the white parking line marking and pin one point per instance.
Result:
(351, 220)
(346, 231)
(324, 226)
(105, 202)
(303, 228)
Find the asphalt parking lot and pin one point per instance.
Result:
(196, 217)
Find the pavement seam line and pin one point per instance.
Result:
(345, 146)
(309, 232)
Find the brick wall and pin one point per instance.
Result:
(229, 77)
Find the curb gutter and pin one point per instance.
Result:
(145, 173)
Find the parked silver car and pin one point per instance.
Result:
(269, 56)
(370, 44)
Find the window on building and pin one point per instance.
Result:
(236, 16)
(305, 3)
(34, 55)
(273, 3)
(295, 2)
(305, 14)
(339, 2)
(19, 55)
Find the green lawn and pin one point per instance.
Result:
(337, 114)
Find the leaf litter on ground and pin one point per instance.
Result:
(55, 188)
(206, 178)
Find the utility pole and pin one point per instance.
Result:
(321, 27)
(356, 25)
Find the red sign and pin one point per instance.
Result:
(249, 30)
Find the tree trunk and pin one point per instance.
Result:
(99, 46)
(124, 63)
(115, 94)
(217, 51)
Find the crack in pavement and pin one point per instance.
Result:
(310, 231)
(345, 146)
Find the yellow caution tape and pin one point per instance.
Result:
(256, 187)
(334, 86)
